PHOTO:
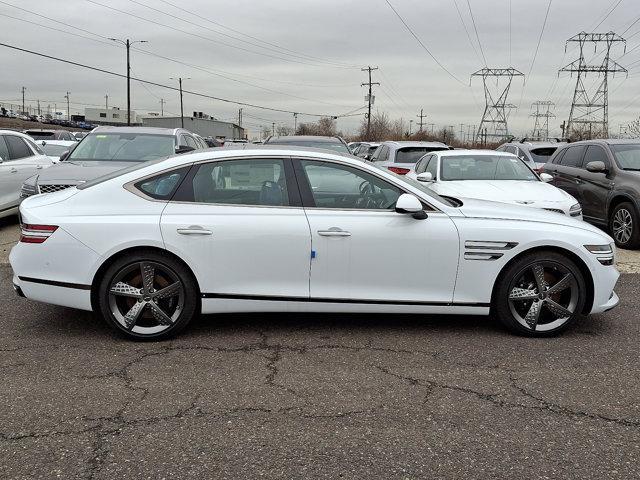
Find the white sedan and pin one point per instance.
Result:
(495, 176)
(300, 230)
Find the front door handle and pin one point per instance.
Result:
(13, 170)
(39, 167)
(193, 230)
(334, 232)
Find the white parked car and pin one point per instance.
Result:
(300, 230)
(20, 158)
(55, 148)
(401, 157)
(495, 176)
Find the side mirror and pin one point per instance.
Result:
(545, 177)
(407, 203)
(64, 155)
(184, 149)
(425, 177)
(596, 167)
(1, 160)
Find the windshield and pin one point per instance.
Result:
(542, 155)
(484, 167)
(41, 135)
(128, 147)
(420, 186)
(413, 154)
(335, 146)
(54, 150)
(627, 156)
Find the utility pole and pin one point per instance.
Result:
(563, 127)
(295, 123)
(369, 98)
(38, 107)
(410, 125)
(541, 127)
(273, 128)
(181, 104)
(240, 117)
(23, 90)
(422, 116)
(128, 44)
(592, 110)
(461, 132)
(162, 102)
(68, 108)
(495, 109)
(106, 103)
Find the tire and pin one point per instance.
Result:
(148, 296)
(624, 226)
(525, 308)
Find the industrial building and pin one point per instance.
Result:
(199, 123)
(111, 116)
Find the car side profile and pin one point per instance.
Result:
(20, 158)
(300, 230)
(401, 157)
(495, 176)
(534, 153)
(604, 176)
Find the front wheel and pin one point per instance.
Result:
(148, 296)
(540, 294)
(624, 226)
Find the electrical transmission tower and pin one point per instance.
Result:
(494, 118)
(542, 115)
(592, 110)
(422, 116)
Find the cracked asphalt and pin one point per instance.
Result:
(318, 396)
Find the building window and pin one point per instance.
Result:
(103, 115)
(116, 115)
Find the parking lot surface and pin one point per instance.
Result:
(318, 396)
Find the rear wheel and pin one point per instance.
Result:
(624, 226)
(148, 296)
(540, 294)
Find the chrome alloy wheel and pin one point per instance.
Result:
(543, 296)
(622, 226)
(146, 297)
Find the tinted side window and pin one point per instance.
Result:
(241, 182)
(339, 186)
(596, 154)
(384, 154)
(376, 153)
(421, 166)
(162, 187)
(432, 168)
(573, 157)
(17, 147)
(4, 151)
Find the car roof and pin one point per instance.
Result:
(407, 143)
(608, 141)
(15, 132)
(457, 153)
(141, 130)
(314, 138)
(290, 150)
(55, 142)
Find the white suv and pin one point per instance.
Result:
(401, 157)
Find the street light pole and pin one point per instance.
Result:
(128, 44)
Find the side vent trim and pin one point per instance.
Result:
(486, 249)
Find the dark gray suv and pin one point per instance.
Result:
(604, 176)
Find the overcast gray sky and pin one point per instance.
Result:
(305, 55)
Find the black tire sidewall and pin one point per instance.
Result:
(634, 241)
(500, 304)
(191, 299)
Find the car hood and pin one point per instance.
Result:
(474, 208)
(510, 191)
(77, 172)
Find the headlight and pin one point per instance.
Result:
(575, 210)
(604, 253)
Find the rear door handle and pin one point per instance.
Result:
(13, 170)
(39, 167)
(194, 231)
(334, 232)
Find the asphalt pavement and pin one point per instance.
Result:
(318, 396)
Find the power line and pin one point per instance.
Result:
(544, 24)
(197, 94)
(424, 47)
(607, 15)
(466, 30)
(218, 42)
(473, 21)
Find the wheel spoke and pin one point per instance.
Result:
(538, 274)
(159, 315)
(533, 315)
(562, 285)
(558, 310)
(148, 273)
(518, 293)
(122, 289)
(133, 314)
(170, 291)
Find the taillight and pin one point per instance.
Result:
(36, 233)
(399, 170)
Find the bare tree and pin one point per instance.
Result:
(633, 129)
(325, 126)
(284, 130)
(266, 132)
